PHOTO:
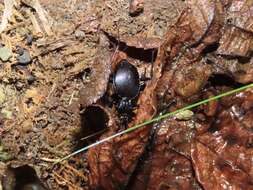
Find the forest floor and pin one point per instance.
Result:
(54, 62)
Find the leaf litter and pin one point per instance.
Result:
(185, 50)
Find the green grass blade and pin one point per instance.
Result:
(157, 119)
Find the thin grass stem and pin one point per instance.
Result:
(157, 119)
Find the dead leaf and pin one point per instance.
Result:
(99, 76)
(215, 173)
(235, 42)
(143, 43)
(240, 14)
(222, 156)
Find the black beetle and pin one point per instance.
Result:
(126, 83)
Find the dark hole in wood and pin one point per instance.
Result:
(25, 177)
(146, 55)
(140, 54)
(211, 48)
(223, 80)
(94, 122)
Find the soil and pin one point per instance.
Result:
(56, 89)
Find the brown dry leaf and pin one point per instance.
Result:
(240, 71)
(235, 42)
(137, 41)
(215, 173)
(244, 72)
(202, 14)
(184, 77)
(143, 43)
(222, 156)
(211, 108)
(170, 164)
(199, 25)
(240, 14)
(202, 19)
(231, 137)
(214, 33)
(191, 78)
(98, 80)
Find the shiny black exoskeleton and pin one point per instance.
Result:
(126, 83)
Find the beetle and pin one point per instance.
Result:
(126, 82)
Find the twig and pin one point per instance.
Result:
(72, 97)
(48, 159)
(43, 16)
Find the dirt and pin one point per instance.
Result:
(184, 50)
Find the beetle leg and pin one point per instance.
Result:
(142, 85)
(144, 77)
